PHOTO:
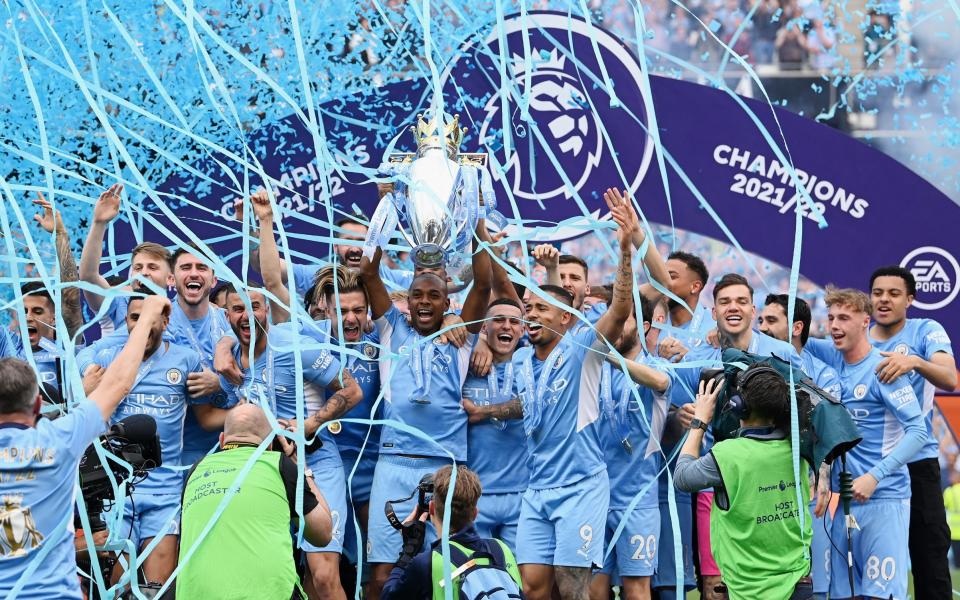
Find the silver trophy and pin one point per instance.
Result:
(435, 199)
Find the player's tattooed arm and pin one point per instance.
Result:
(52, 222)
(512, 409)
(611, 323)
(347, 394)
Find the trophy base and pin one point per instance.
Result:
(428, 256)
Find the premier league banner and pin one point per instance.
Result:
(564, 110)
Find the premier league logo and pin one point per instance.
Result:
(559, 106)
(549, 116)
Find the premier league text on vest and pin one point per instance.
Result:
(767, 180)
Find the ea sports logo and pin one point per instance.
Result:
(936, 272)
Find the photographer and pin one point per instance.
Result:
(254, 525)
(477, 566)
(38, 467)
(755, 530)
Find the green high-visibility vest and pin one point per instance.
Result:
(757, 541)
(248, 553)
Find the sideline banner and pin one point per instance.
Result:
(565, 110)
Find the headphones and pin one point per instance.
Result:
(737, 404)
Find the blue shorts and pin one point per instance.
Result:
(329, 479)
(880, 550)
(147, 515)
(665, 575)
(635, 552)
(361, 481)
(820, 552)
(564, 526)
(499, 515)
(395, 477)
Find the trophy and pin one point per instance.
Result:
(440, 194)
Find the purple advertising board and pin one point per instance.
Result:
(565, 110)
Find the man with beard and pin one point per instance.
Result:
(39, 483)
(735, 313)
(564, 510)
(687, 323)
(773, 322)
(422, 389)
(197, 324)
(357, 443)
(40, 312)
(633, 412)
(148, 260)
(39, 316)
(160, 390)
(920, 350)
(268, 360)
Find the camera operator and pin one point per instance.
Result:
(38, 468)
(255, 525)
(478, 565)
(755, 531)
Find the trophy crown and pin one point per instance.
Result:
(434, 134)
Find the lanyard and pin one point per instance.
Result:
(421, 357)
(534, 398)
(497, 394)
(267, 380)
(615, 411)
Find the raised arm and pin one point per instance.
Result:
(475, 306)
(641, 374)
(651, 258)
(270, 263)
(69, 295)
(118, 380)
(501, 286)
(377, 293)
(104, 211)
(548, 257)
(611, 323)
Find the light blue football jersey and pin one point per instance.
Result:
(561, 409)
(38, 480)
(636, 414)
(438, 412)
(497, 449)
(159, 391)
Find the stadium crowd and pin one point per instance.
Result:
(567, 401)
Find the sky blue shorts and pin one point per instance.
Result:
(821, 553)
(361, 482)
(880, 551)
(665, 575)
(564, 526)
(499, 515)
(329, 479)
(150, 515)
(395, 477)
(635, 552)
